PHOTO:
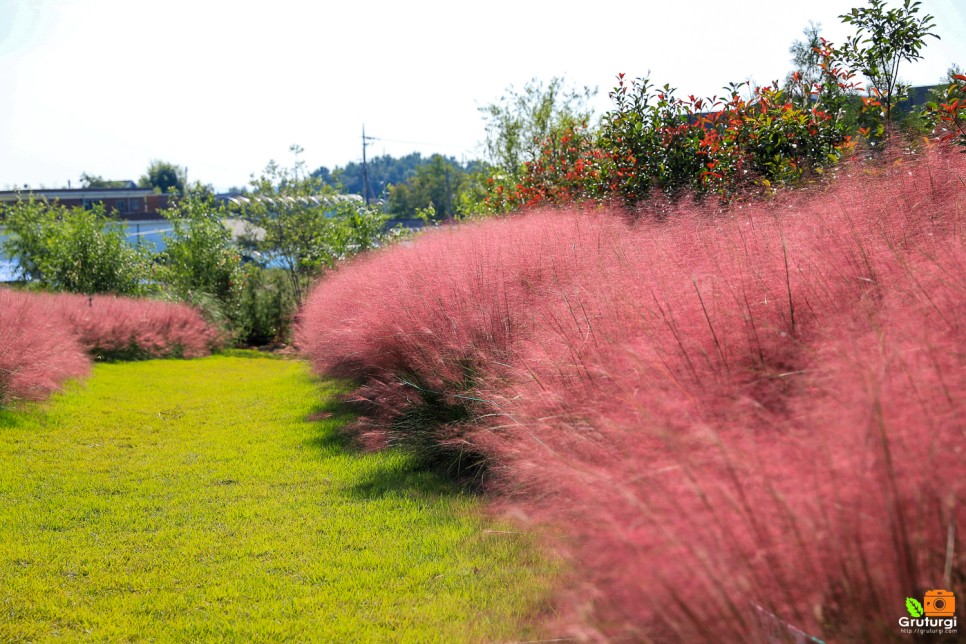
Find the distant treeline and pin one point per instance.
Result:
(406, 185)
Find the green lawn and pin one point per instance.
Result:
(206, 500)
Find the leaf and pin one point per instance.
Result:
(914, 607)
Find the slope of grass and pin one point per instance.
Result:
(212, 499)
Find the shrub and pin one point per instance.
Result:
(38, 351)
(303, 227)
(199, 260)
(948, 113)
(48, 339)
(653, 142)
(657, 141)
(740, 421)
(73, 249)
(266, 308)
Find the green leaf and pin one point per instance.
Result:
(914, 607)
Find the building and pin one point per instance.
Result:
(129, 203)
(137, 208)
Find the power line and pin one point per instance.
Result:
(434, 145)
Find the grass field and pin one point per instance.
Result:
(213, 500)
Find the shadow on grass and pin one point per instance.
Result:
(330, 418)
(406, 478)
(9, 419)
(254, 354)
(408, 475)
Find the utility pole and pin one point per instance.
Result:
(365, 167)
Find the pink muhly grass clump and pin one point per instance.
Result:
(38, 351)
(742, 423)
(111, 327)
(46, 339)
(420, 326)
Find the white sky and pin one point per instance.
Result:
(105, 86)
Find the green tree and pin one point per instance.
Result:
(200, 262)
(73, 249)
(883, 39)
(384, 171)
(304, 226)
(91, 181)
(164, 177)
(436, 184)
(519, 121)
(202, 265)
(807, 62)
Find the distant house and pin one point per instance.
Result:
(917, 97)
(128, 203)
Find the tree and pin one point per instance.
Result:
(436, 185)
(324, 175)
(202, 265)
(384, 171)
(807, 71)
(304, 226)
(74, 249)
(200, 262)
(91, 181)
(883, 39)
(164, 177)
(520, 120)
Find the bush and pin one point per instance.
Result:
(948, 113)
(266, 308)
(73, 249)
(654, 142)
(733, 418)
(200, 262)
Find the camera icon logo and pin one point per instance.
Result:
(939, 603)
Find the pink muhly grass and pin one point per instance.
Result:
(38, 351)
(741, 422)
(431, 319)
(116, 327)
(47, 338)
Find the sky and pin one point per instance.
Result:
(106, 86)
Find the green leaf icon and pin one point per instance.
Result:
(914, 607)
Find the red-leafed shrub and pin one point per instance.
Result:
(38, 351)
(113, 328)
(744, 423)
(653, 141)
(949, 112)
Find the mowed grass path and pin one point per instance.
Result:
(206, 500)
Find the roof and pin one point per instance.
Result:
(55, 194)
(306, 200)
